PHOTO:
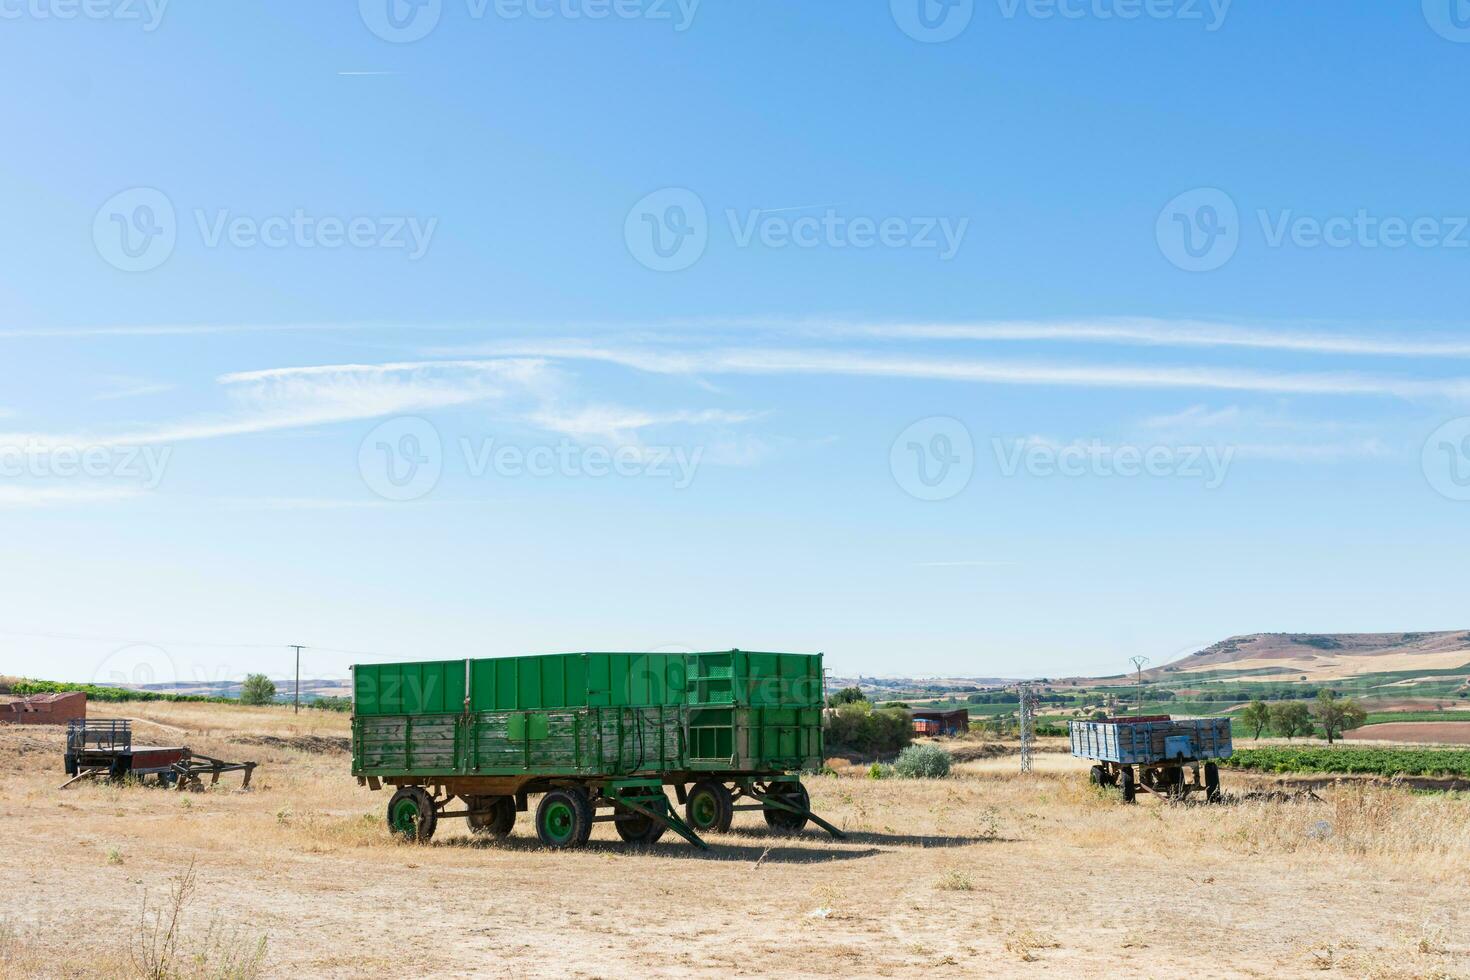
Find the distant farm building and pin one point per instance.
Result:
(45, 709)
(956, 722)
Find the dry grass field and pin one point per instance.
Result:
(985, 872)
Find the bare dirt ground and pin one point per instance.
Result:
(1422, 732)
(985, 872)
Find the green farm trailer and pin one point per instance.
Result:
(599, 736)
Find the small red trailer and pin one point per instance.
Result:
(103, 748)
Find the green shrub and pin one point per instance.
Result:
(922, 762)
(859, 727)
(879, 771)
(257, 689)
(332, 702)
(111, 695)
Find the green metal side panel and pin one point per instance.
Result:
(434, 687)
(589, 714)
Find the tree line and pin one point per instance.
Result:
(1289, 719)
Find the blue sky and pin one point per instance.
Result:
(1100, 328)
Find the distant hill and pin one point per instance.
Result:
(1320, 656)
(310, 689)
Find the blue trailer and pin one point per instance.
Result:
(1154, 753)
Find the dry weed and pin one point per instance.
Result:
(955, 880)
(1026, 943)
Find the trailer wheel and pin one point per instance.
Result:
(1130, 791)
(1212, 783)
(411, 814)
(1173, 783)
(564, 818)
(498, 822)
(710, 808)
(1099, 776)
(782, 820)
(635, 828)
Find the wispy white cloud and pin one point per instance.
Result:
(1163, 333)
(1306, 338)
(964, 564)
(296, 503)
(291, 398)
(1198, 418)
(50, 496)
(621, 425)
(1272, 434)
(524, 391)
(124, 387)
(819, 361)
(1314, 452)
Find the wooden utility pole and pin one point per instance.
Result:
(298, 648)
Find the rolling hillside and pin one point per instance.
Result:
(1318, 657)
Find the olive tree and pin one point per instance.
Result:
(257, 689)
(1337, 715)
(1256, 716)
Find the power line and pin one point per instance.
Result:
(92, 638)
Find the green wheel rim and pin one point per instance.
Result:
(705, 810)
(558, 822)
(406, 817)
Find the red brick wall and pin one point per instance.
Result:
(46, 709)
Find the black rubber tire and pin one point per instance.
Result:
(1099, 776)
(1212, 783)
(1172, 782)
(788, 823)
(723, 805)
(580, 822)
(1130, 791)
(635, 828)
(428, 815)
(499, 823)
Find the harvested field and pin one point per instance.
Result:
(1416, 732)
(986, 872)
